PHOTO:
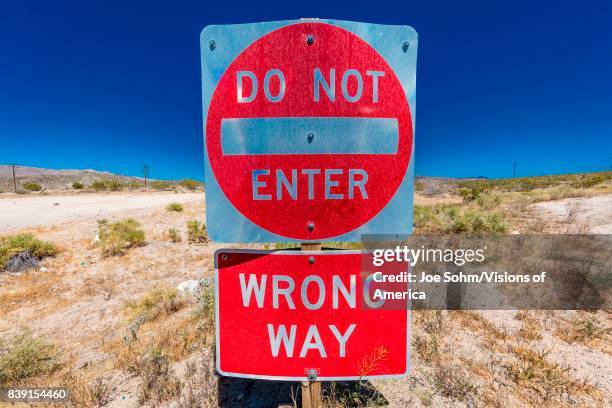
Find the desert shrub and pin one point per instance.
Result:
(424, 216)
(134, 184)
(113, 185)
(468, 194)
(23, 356)
(477, 222)
(116, 238)
(32, 187)
(452, 383)
(190, 184)
(156, 303)
(77, 185)
(161, 185)
(488, 200)
(451, 218)
(11, 245)
(589, 180)
(196, 232)
(178, 207)
(427, 347)
(205, 297)
(98, 185)
(83, 393)
(107, 185)
(158, 381)
(174, 235)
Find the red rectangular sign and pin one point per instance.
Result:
(283, 314)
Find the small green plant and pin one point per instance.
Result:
(174, 235)
(11, 245)
(196, 232)
(190, 184)
(116, 238)
(77, 185)
(178, 207)
(23, 356)
(156, 303)
(32, 187)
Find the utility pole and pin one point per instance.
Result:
(145, 172)
(14, 180)
(514, 171)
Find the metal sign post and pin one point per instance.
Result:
(311, 389)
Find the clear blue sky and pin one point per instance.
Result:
(111, 85)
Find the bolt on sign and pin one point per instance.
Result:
(299, 315)
(309, 130)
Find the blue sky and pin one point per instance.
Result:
(112, 85)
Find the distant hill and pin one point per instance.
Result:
(55, 179)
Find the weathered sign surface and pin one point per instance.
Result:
(309, 130)
(282, 314)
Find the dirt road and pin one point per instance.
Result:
(36, 210)
(594, 212)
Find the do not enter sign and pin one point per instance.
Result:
(308, 130)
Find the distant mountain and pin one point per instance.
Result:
(51, 179)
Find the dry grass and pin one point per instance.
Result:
(492, 337)
(530, 330)
(173, 235)
(532, 371)
(85, 392)
(36, 287)
(351, 395)
(452, 382)
(427, 345)
(587, 329)
(158, 302)
(156, 325)
(200, 383)
(23, 356)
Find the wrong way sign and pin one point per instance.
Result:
(309, 130)
(298, 315)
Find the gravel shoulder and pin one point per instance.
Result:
(47, 210)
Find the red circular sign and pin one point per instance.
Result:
(296, 50)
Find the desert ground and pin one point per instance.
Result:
(117, 331)
(48, 210)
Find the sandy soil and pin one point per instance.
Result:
(594, 212)
(78, 299)
(38, 210)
